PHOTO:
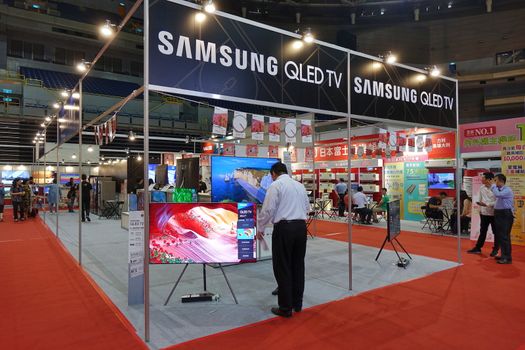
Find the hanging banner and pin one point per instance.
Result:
(394, 180)
(240, 123)
(309, 154)
(205, 159)
(388, 91)
(513, 166)
(228, 149)
(290, 130)
(69, 119)
(95, 131)
(257, 127)
(220, 121)
(274, 129)
(306, 131)
(208, 148)
(252, 150)
(273, 151)
(231, 58)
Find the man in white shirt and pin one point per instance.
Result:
(487, 199)
(360, 200)
(286, 206)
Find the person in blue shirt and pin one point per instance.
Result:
(2, 200)
(341, 189)
(503, 216)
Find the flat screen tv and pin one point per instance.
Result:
(187, 173)
(9, 175)
(151, 171)
(64, 178)
(172, 172)
(202, 233)
(441, 181)
(240, 179)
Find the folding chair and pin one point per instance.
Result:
(309, 219)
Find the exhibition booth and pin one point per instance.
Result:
(172, 240)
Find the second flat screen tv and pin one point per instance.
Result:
(240, 179)
(441, 181)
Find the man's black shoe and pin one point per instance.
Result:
(504, 261)
(275, 291)
(497, 257)
(88, 219)
(282, 313)
(297, 308)
(494, 253)
(474, 251)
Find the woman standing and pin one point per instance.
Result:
(17, 197)
(54, 196)
(26, 198)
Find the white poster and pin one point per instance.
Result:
(475, 218)
(290, 130)
(257, 127)
(306, 131)
(220, 121)
(240, 122)
(136, 243)
(274, 129)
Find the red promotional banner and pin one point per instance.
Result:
(443, 146)
(331, 152)
(228, 149)
(208, 148)
(273, 151)
(252, 150)
(309, 154)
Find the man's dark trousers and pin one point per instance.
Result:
(485, 221)
(341, 204)
(86, 204)
(503, 220)
(288, 251)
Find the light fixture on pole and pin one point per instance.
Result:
(83, 66)
(435, 71)
(75, 95)
(390, 58)
(64, 94)
(90, 149)
(308, 36)
(107, 30)
(209, 6)
(139, 158)
(131, 136)
(56, 105)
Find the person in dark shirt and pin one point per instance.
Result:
(202, 185)
(86, 198)
(434, 207)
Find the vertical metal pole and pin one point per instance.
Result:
(45, 177)
(349, 141)
(314, 193)
(459, 181)
(80, 116)
(146, 165)
(57, 174)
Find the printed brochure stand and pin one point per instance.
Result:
(204, 296)
(393, 230)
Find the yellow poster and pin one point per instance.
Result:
(513, 166)
(394, 178)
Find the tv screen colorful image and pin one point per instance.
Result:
(9, 175)
(441, 181)
(64, 178)
(151, 171)
(202, 233)
(240, 179)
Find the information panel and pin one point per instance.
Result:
(394, 219)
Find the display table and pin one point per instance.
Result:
(124, 220)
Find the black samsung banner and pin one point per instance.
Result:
(230, 58)
(394, 219)
(385, 91)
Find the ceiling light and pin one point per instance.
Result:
(200, 17)
(75, 95)
(308, 37)
(62, 120)
(38, 133)
(90, 149)
(34, 141)
(376, 65)
(43, 125)
(48, 119)
(435, 71)
(64, 93)
(89, 162)
(297, 44)
(107, 29)
(139, 158)
(209, 6)
(450, 5)
(74, 156)
(382, 12)
(131, 136)
(71, 108)
(56, 105)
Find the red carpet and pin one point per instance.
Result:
(47, 301)
(480, 305)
